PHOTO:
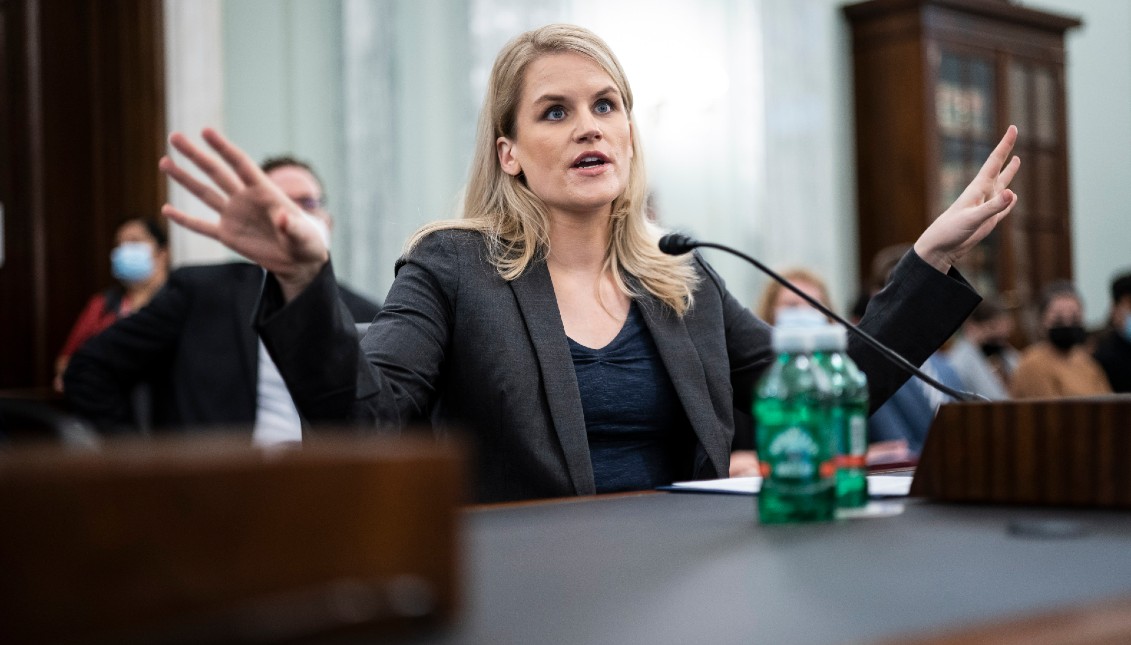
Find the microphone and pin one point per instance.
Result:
(678, 244)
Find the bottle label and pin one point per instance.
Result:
(857, 434)
(794, 464)
(794, 454)
(856, 438)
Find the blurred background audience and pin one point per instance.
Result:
(982, 355)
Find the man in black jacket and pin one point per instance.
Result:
(196, 350)
(1114, 349)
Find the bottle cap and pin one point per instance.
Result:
(793, 340)
(830, 338)
(799, 317)
(795, 329)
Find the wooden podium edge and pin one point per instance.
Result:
(1063, 452)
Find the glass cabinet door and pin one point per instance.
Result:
(966, 123)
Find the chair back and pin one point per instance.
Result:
(27, 421)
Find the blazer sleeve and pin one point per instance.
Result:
(361, 308)
(917, 311)
(392, 375)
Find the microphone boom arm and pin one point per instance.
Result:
(679, 242)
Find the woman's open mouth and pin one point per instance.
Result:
(590, 161)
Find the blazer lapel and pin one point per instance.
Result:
(677, 351)
(539, 307)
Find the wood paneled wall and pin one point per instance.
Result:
(82, 125)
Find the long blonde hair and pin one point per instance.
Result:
(515, 220)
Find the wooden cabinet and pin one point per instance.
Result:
(936, 84)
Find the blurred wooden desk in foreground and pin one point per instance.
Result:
(214, 541)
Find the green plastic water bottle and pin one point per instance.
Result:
(848, 412)
(796, 445)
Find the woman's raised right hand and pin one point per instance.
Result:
(257, 220)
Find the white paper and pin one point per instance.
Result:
(878, 485)
(744, 485)
(889, 485)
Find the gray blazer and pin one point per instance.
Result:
(458, 346)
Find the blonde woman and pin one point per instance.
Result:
(545, 322)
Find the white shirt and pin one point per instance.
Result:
(276, 418)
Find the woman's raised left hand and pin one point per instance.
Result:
(976, 211)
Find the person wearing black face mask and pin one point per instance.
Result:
(1060, 365)
(982, 355)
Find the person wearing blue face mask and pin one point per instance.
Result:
(140, 263)
(1114, 349)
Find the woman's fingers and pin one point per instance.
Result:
(1006, 200)
(203, 192)
(1000, 153)
(1010, 171)
(984, 203)
(988, 216)
(195, 224)
(1001, 205)
(994, 174)
(245, 166)
(224, 179)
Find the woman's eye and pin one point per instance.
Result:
(604, 106)
(556, 113)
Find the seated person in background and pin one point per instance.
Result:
(546, 323)
(196, 347)
(1059, 365)
(140, 263)
(1113, 352)
(774, 298)
(905, 419)
(982, 355)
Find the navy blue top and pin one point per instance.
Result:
(633, 416)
